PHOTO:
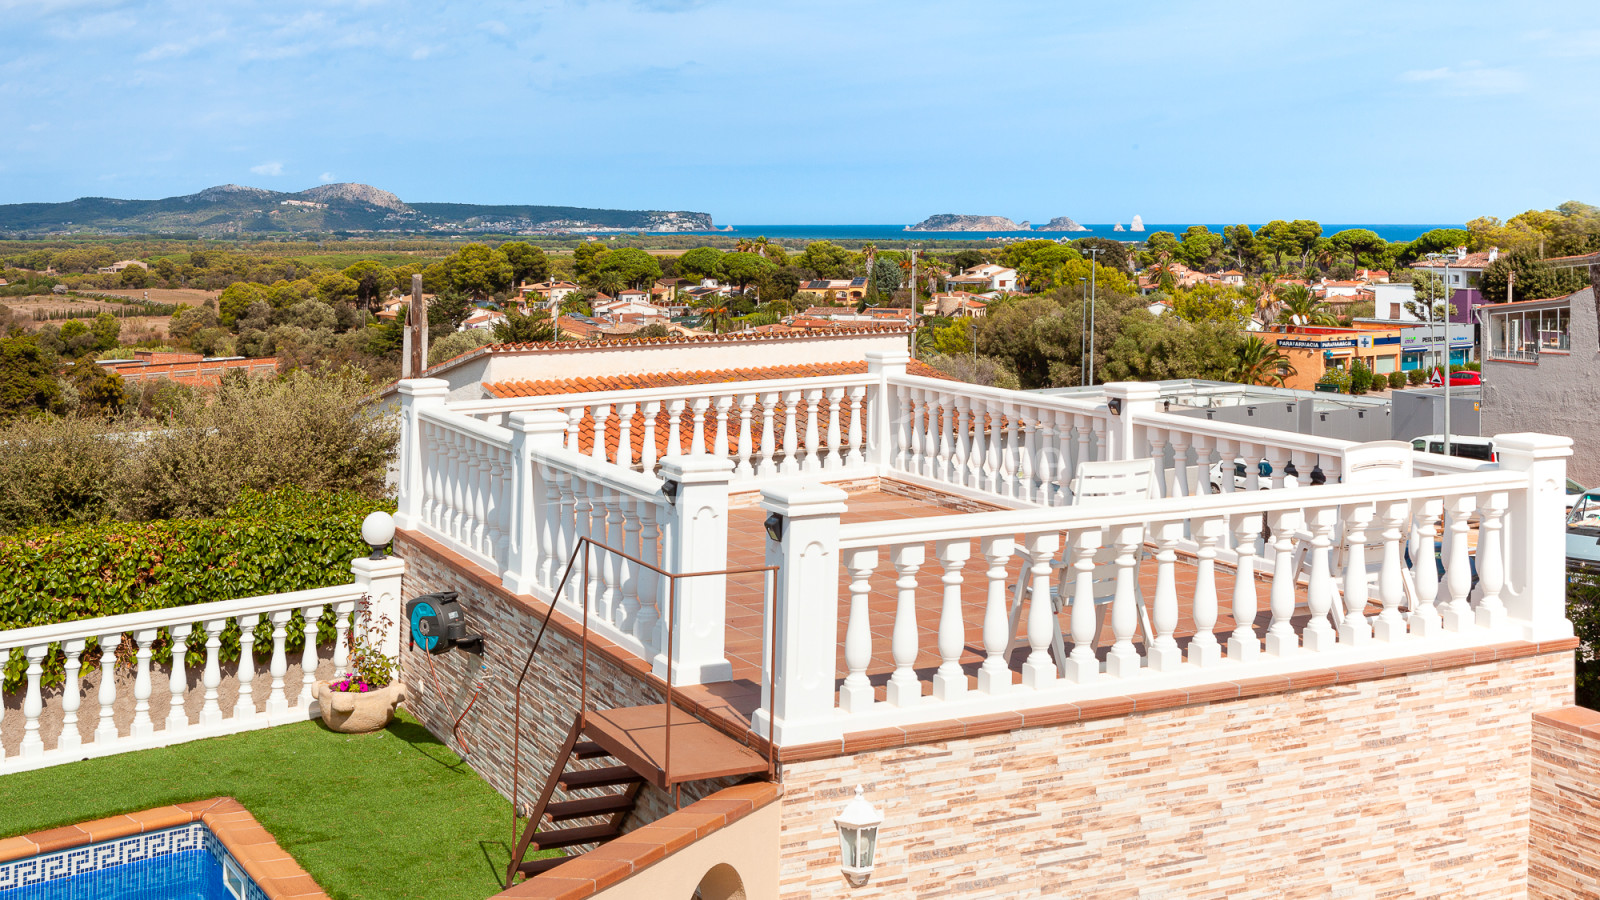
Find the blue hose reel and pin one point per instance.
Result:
(437, 623)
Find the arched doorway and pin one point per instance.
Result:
(720, 883)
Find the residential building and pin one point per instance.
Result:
(482, 320)
(1463, 274)
(121, 264)
(956, 305)
(985, 277)
(1314, 350)
(1393, 301)
(192, 369)
(1541, 369)
(1422, 344)
(841, 289)
(1230, 278)
(550, 291)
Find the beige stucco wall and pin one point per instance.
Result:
(1410, 786)
(749, 847)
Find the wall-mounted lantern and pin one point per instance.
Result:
(774, 526)
(670, 489)
(858, 838)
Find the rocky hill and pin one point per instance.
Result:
(1062, 223)
(235, 209)
(953, 222)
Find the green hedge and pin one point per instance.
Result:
(288, 540)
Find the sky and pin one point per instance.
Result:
(823, 111)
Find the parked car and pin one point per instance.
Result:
(1463, 378)
(1574, 491)
(1466, 446)
(1241, 475)
(1583, 529)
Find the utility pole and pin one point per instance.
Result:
(1083, 335)
(1094, 271)
(416, 339)
(913, 304)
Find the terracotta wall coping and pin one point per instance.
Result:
(272, 869)
(588, 874)
(1571, 719)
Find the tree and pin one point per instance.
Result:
(374, 281)
(1241, 242)
(701, 262)
(1301, 307)
(237, 298)
(1534, 279)
(1199, 246)
(715, 314)
(27, 377)
(629, 267)
(962, 260)
(1260, 363)
(778, 284)
(1039, 268)
(528, 263)
(134, 277)
(1159, 242)
(586, 259)
(742, 268)
(1356, 241)
(824, 259)
(479, 271)
(1427, 297)
(885, 278)
(190, 319)
(167, 269)
(446, 311)
(101, 392)
(1213, 303)
(1113, 254)
(520, 328)
(1434, 241)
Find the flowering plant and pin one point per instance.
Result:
(370, 669)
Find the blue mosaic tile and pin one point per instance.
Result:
(173, 864)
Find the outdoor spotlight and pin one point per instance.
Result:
(858, 838)
(1115, 405)
(377, 530)
(774, 526)
(670, 489)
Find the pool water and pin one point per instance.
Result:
(189, 875)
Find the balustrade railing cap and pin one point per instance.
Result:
(538, 421)
(1536, 445)
(796, 501)
(888, 357)
(425, 387)
(387, 567)
(1133, 390)
(696, 468)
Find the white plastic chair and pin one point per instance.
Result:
(1105, 483)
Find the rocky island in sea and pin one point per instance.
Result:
(1062, 223)
(1138, 224)
(953, 222)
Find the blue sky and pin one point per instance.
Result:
(821, 111)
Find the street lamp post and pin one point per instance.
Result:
(1444, 352)
(1083, 335)
(1094, 271)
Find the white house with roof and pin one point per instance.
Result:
(1462, 273)
(985, 277)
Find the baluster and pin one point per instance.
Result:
(1179, 442)
(697, 435)
(1331, 470)
(1391, 626)
(485, 535)
(675, 411)
(564, 535)
(921, 423)
(1425, 620)
(574, 426)
(341, 632)
(545, 517)
(1281, 639)
(856, 694)
(858, 396)
(430, 452)
(278, 699)
(1007, 478)
(811, 453)
(904, 451)
(1354, 629)
(644, 624)
(959, 411)
(978, 449)
(1045, 460)
(1083, 666)
(1203, 647)
(1302, 462)
(600, 415)
(106, 729)
(719, 444)
(503, 503)
(791, 436)
(1039, 670)
(904, 689)
(245, 705)
(582, 528)
(1122, 660)
(835, 460)
(627, 572)
(33, 702)
(604, 523)
(1252, 454)
(144, 724)
(1458, 615)
(1227, 452)
(950, 682)
(769, 409)
(995, 451)
(1163, 651)
(1282, 461)
(994, 677)
(745, 467)
(1243, 646)
(648, 452)
(178, 679)
(625, 434)
(308, 655)
(1319, 633)
(1201, 486)
(1491, 611)
(211, 675)
(71, 694)
(1028, 462)
(1085, 428)
(449, 486)
(947, 436)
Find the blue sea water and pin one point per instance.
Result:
(188, 875)
(898, 233)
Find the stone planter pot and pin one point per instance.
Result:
(358, 713)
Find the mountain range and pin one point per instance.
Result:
(235, 209)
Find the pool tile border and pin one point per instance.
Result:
(267, 864)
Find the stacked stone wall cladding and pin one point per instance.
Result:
(439, 689)
(1408, 786)
(1564, 842)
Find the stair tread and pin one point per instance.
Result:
(638, 736)
(589, 750)
(589, 806)
(566, 837)
(601, 777)
(538, 866)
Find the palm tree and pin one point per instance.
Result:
(1265, 286)
(871, 251)
(1260, 363)
(744, 245)
(715, 316)
(1301, 307)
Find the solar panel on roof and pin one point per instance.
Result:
(857, 282)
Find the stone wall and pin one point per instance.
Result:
(1405, 786)
(1564, 842)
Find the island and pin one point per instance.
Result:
(1138, 224)
(1062, 223)
(953, 222)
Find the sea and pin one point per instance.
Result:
(899, 232)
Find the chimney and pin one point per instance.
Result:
(1494, 253)
(1460, 252)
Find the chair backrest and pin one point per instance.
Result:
(1107, 482)
(1377, 461)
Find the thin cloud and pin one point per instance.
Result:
(326, 178)
(1470, 80)
(271, 168)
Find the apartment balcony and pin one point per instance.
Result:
(902, 554)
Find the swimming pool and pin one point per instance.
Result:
(182, 863)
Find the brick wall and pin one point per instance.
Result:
(1407, 786)
(1564, 841)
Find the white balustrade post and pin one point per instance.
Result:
(649, 582)
(308, 659)
(416, 394)
(1083, 665)
(1353, 627)
(71, 694)
(811, 453)
(1122, 660)
(836, 450)
(600, 414)
(626, 613)
(1534, 537)
(1424, 619)
(791, 436)
(648, 451)
(1281, 638)
(1204, 650)
(245, 706)
(769, 411)
(380, 580)
(1039, 670)
(700, 544)
(883, 411)
(858, 410)
(1136, 399)
(950, 682)
(144, 724)
(799, 675)
(341, 632)
(178, 679)
(625, 414)
(1491, 610)
(33, 702)
(1457, 611)
(1163, 651)
(532, 432)
(1391, 626)
(106, 729)
(994, 677)
(719, 442)
(745, 469)
(1319, 634)
(1243, 645)
(278, 698)
(211, 677)
(904, 689)
(697, 436)
(856, 694)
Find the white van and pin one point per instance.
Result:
(1465, 446)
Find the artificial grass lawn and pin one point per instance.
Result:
(395, 814)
